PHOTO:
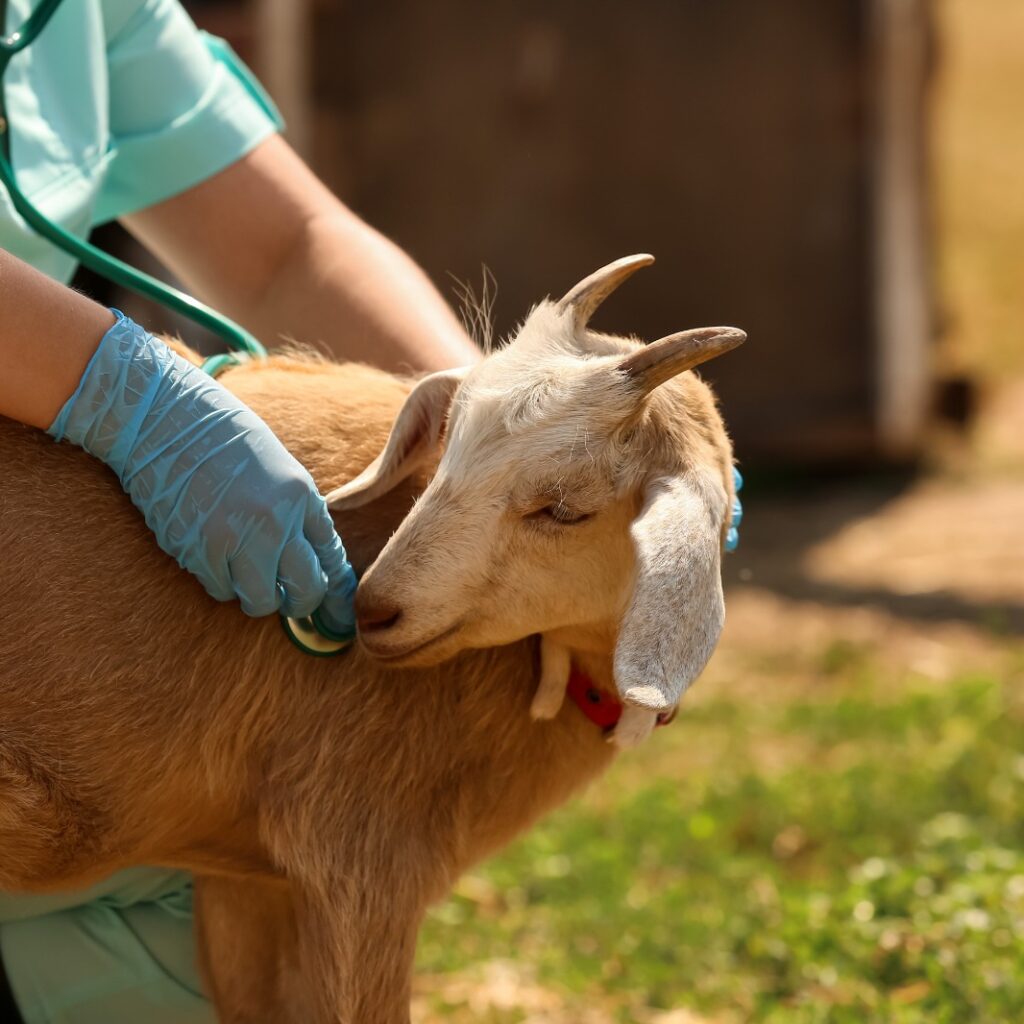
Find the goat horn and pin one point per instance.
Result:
(583, 299)
(665, 358)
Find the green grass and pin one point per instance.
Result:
(834, 858)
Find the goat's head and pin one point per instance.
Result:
(575, 497)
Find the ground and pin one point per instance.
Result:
(833, 830)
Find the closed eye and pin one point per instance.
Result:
(560, 514)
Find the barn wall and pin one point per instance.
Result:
(543, 139)
(772, 155)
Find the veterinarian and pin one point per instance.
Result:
(123, 110)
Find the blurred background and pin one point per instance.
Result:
(832, 830)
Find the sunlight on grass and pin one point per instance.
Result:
(879, 878)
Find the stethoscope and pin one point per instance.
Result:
(302, 632)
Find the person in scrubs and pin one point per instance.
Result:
(123, 110)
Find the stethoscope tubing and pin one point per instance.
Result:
(102, 263)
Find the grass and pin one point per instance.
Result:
(840, 858)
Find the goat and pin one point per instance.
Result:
(572, 486)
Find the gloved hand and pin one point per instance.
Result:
(217, 488)
(732, 536)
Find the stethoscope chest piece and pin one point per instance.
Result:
(304, 634)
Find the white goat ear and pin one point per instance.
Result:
(414, 439)
(677, 610)
(669, 356)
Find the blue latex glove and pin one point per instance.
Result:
(732, 536)
(217, 488)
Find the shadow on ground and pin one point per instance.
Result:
(918, 549)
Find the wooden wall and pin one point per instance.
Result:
(543, 139)
(771, 155)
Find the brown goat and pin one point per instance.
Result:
(324, 803)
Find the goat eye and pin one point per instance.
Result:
(559, 513)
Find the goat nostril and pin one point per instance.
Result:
(374, 620)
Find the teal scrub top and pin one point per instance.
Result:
(118, 105)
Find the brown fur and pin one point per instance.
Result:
(322, 803)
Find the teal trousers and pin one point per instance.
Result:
(121, 952)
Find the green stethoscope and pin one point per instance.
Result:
(302, 632)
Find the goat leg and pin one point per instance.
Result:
(245, 937)
(356, 953)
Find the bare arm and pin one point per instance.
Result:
(47, 335)
(265, 242)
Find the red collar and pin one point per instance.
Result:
(601, 707)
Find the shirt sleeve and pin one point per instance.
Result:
(182, 106)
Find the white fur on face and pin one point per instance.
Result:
(490, 549)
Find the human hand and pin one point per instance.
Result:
(219, 491)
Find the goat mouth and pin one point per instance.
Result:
(406, 652)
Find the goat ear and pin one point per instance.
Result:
(414, 438)
(669, 356)
(677, 609)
